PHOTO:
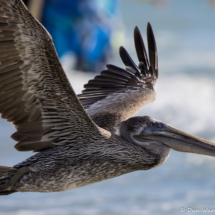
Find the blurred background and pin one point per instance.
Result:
(87, 35)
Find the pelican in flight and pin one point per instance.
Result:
(81, 139)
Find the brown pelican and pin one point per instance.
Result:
(73, 148)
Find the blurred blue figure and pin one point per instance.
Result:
(83, 27)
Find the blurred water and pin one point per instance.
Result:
(185, 33)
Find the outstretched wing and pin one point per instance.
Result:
(117, 94)
(35, 93)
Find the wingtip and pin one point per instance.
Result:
(126, 59)
(121, 49)
(136, 33)
(149, 29)
(149, 25)
(152, 49)
(136, 28)
(140, 47)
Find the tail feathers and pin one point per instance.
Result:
(5, 175)
(5, 169)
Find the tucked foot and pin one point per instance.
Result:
(8, 185)
(4, 185)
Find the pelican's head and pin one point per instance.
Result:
(158, 138)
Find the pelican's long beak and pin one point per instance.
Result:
(179, 140)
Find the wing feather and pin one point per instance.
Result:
(117, 94)
(140, 47)
(35, 94)
(152, 48)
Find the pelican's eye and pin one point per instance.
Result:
(151, 124)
